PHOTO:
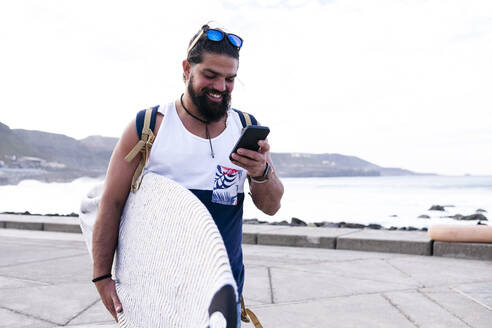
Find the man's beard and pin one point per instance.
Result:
(209, 110)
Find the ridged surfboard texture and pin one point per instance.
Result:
(170, 259)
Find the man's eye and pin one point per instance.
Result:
(230, 79)
(209, 77)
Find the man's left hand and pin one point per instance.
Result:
(252, 161)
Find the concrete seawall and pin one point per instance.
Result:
(386, 241)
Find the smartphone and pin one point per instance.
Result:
(250, 137)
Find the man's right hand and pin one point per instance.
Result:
(107, 291)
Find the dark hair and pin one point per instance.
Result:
(222, 47)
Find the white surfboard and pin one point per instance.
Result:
(172, 268)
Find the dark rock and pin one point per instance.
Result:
(474, 217)
(481, 211)
(424, 229)
(330, 225)
(412, 229)
(374, 226)
(402, 228)
(281, 223)
(436, 208)
(393, 228)
(456, 217)
(26, 213)
(251, 221)
(75, 215)
(480, 223)
(297, 222)
(351, 225)
(424, 216)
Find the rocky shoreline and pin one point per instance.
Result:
(296, 222)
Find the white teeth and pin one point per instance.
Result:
(215, 95)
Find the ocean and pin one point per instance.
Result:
(388, 201)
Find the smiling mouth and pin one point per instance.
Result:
(214, 96)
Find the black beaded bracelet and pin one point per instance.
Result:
(106, 276)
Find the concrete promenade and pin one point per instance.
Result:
(401, 242)
(45, 282)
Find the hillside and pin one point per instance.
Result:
(49, 156)
(329, 165)
(56, 157)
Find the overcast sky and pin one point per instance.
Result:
(399, 83)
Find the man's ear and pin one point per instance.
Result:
(186, 70)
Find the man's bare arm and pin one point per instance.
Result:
(106, 227)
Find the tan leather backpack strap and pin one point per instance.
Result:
(143, 146)
(247, 118)
(247, 315)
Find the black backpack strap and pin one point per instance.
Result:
(140, 120)
(246, 119)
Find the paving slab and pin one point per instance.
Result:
(94, 314)
(57, 304)
(423, 311)
(11, 319)
(463, 306)
(479, 292)
(283, 256)
(403, 242)
(259, 290)
(285, 286)
(477, 251)
(18, 284)
(438, 271)
(16, 254)
(74, 269)
(369, 271)
(369, 311)
(322, 285)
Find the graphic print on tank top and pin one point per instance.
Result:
(226, 185)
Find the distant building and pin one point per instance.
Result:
(30, 162)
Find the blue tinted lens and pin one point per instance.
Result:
(214, 35)
(235, 40)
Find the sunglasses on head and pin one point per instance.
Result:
(217, 36)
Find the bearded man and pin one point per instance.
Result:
(194, 137)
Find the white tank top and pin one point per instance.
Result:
(186, 158)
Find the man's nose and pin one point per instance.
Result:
(220, 85)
